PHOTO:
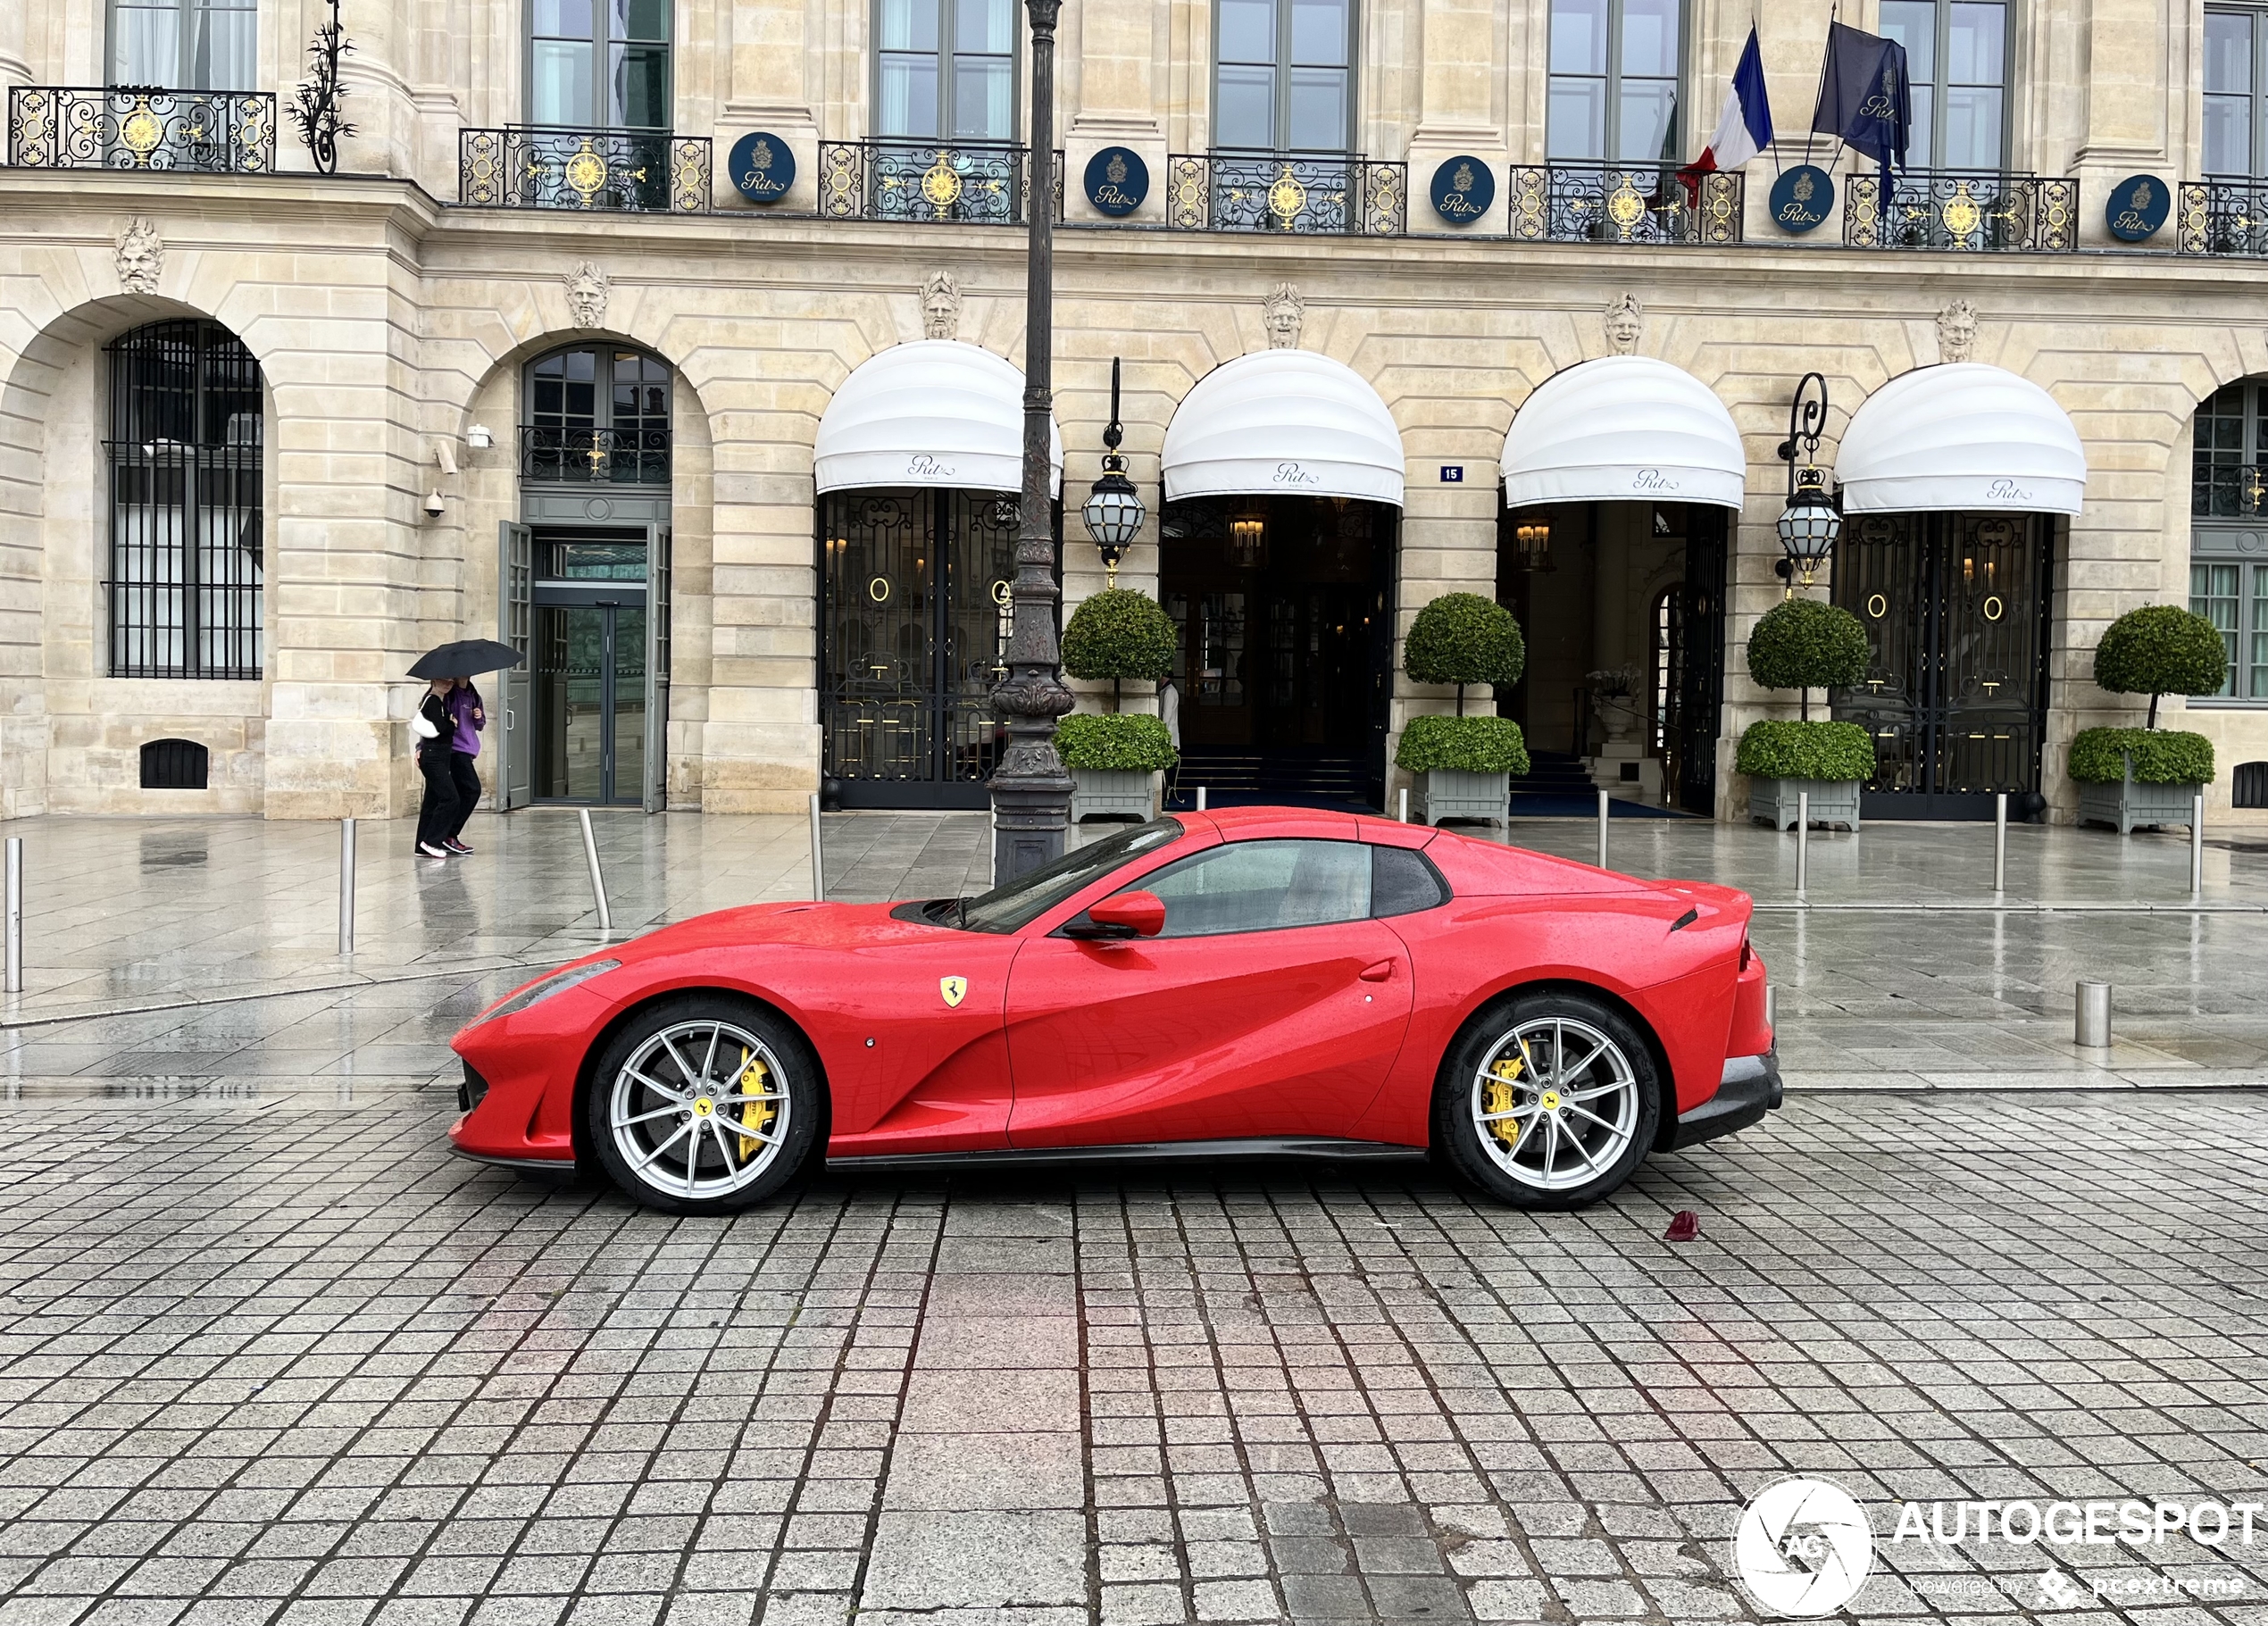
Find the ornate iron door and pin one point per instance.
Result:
(914, 617)
(1956, 606)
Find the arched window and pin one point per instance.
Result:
(2228, 500)
(597, 413)
(183, 455)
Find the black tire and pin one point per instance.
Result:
(1541, 1145)
(753, 1074)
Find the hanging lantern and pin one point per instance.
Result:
(1113, 511)
(1248, 541)
(1808, 527)
(1531, 544)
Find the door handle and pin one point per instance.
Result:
(1380, 973)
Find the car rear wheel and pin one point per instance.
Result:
(1548, 1100)
(705, 1104)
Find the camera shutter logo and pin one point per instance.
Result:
(1803, 1547)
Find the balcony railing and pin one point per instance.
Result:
(1314, 193)
(2229, 491)
(527, 167)
(2222, 217)
(139, 127)
(1962, 210)
(1605, 203)
(553, 456)
(984, 183)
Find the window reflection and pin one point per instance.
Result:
(1615, 68)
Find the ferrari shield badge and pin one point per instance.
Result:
(955, 989)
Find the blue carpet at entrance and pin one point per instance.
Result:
(1550, 804)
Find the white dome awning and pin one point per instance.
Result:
(1961, 435)
(1624, 428)
(935, 412)
(1284, 421)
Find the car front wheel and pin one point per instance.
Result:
(705, 1104)
(1548, 1100)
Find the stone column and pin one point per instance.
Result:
(767, 46)
(1456, 81)
(2123, 79)
(1114, 97)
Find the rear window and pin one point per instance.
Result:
(1403, 882)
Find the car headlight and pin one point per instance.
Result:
(558, 982)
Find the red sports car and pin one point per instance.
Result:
(1259, 981)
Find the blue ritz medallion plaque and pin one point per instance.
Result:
(2137, 207)
(764, 167)
(1117, 181)
(1801, 198)
(1464, 187)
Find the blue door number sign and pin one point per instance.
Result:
(764, 167)
(1452, 474)
(1462, 189)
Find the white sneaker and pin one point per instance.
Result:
(430, 851)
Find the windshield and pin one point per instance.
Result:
(1023, 900)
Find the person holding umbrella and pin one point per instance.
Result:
(449, 723)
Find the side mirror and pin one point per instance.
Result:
(1128, 915)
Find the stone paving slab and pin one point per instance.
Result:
(265, 1364)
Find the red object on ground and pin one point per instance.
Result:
(1195, 1019)
(1685, 1226)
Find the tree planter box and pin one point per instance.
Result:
(1445, 793)
(1105, 795)
(2128, 805)
(1832, 801)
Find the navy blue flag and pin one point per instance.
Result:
(1864, 97)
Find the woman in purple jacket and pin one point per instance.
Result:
(469, 718)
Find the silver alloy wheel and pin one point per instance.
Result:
(700, 1109)
(1554, 1102)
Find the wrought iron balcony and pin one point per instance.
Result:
(140, 126)
(1972, 211)
(1625, 202)
(533, 167)
(1321, 194)
(2228, 216)
(2229, 491)
(984, 183)
(553, 456)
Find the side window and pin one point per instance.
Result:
(1264, 886)
(1403, 882)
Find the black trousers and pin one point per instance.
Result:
(438, 819)
(468, 789)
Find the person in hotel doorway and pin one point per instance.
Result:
(1169, 712)
(434, 728)
(469, 718)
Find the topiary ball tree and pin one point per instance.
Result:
(1119, 633)
(2161, 649)
(1802, 644)
(1461, 639)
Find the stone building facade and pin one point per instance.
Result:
(412, 324)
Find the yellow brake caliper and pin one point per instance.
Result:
(1496, 1096)
(756, 1116)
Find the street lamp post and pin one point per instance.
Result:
(1030, 788)
(1809, 524)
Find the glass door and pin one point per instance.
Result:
(589, 657)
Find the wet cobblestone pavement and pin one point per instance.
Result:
(284, 1360)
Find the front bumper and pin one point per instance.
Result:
(1749, 1089)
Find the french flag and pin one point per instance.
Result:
(1744, 128)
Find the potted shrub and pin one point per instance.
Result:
(1116, 634)
(2147, 775)
(1114, 757)
(1802, 644)
(1463, 764)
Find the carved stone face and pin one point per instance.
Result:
(1284, 312)
(940, 306)
(1625, 321)
(141, 257)
(1957, 330)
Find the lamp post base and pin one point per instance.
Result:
(1030, 823)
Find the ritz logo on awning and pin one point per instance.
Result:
(1292, 474)
(922, 466)
(1652, 480)
(2007, 491)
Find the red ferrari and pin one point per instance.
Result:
(1261, 980)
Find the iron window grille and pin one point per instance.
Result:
(209, 132)
(1303, 194)
(185, 495)
(1604, 203)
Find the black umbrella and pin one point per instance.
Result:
(466, 658)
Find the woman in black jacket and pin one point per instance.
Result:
(438, 817)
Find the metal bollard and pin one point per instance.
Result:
(345, 886)
(14, 978)
(1200, 798)
(1999, 844)
(2091, 1030)
(1402, 805)
(1803, 841)
(818, 860)
(1602, 829)
(2197, 847)
(1771, 1007)
(597, 884)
